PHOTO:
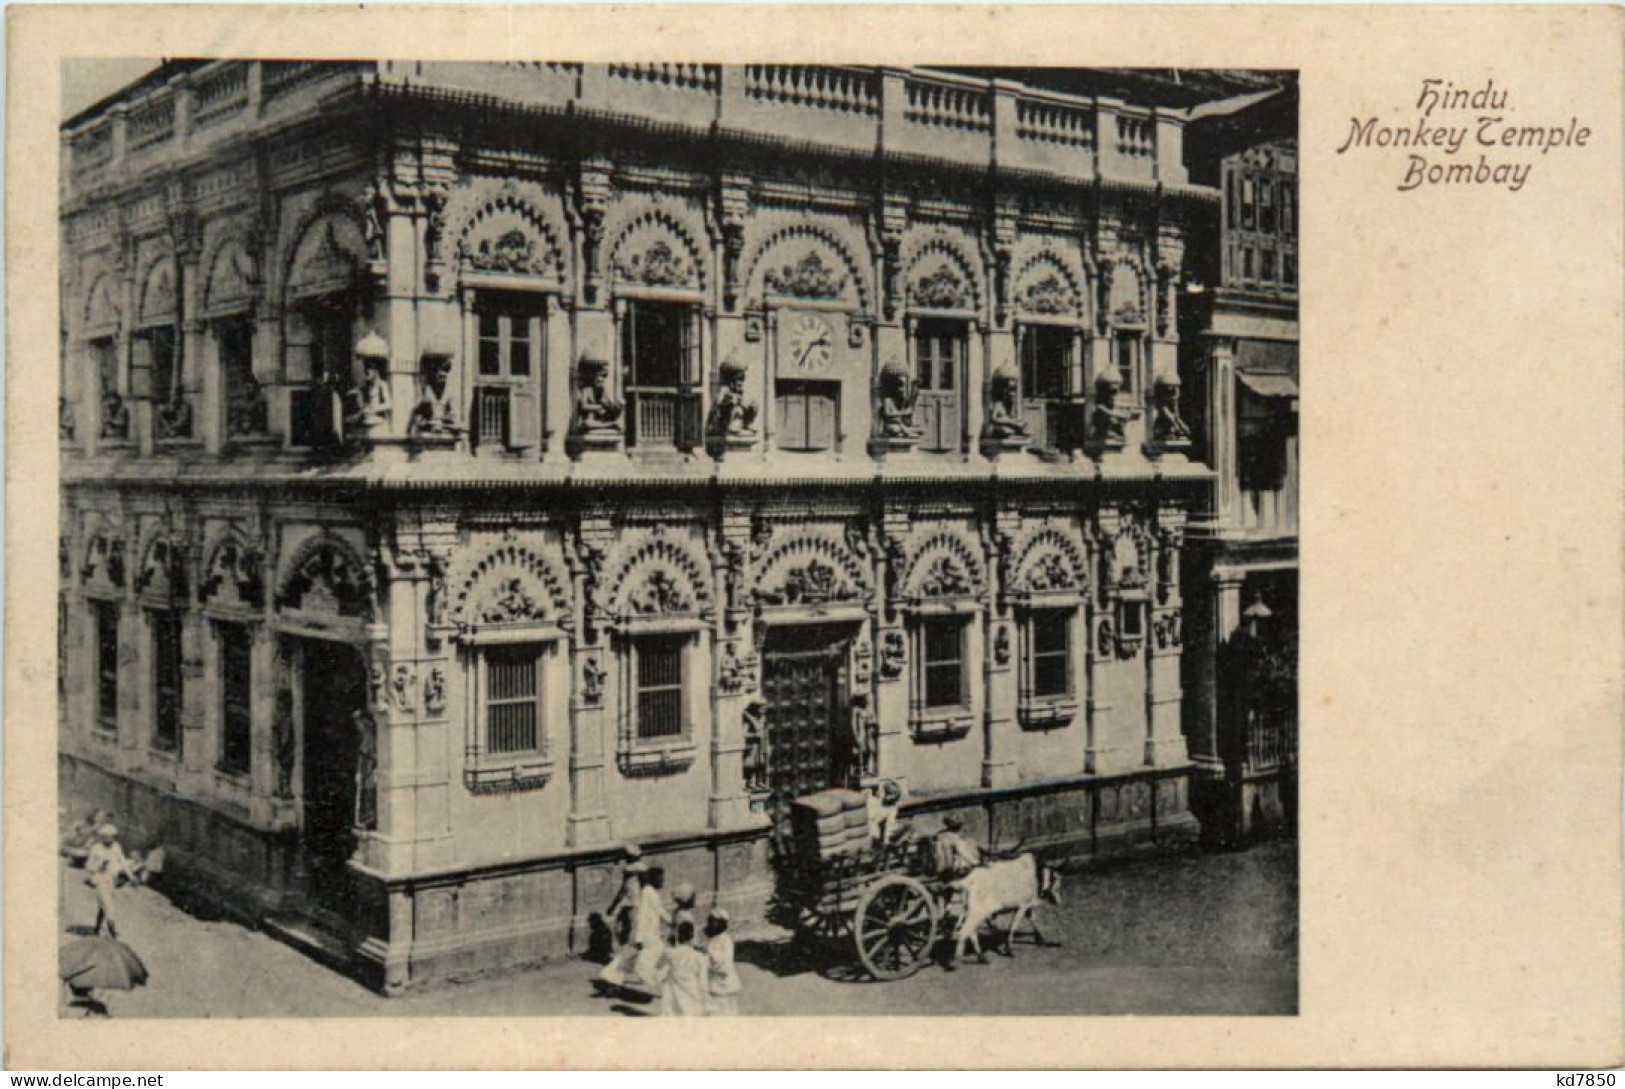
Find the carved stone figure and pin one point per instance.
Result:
(436, 413)
(592, 682)
(373, 403)
(173, 420)
(755, 756)
(893, 655)
(286, 744)
(597, 413)
(374, 214)
(733, 417)
(65, 423)
(1106, 425)
(1004, 425)
(366, 769)
(1001, 646)
(434, 691)
(405, 684)
(897, 396)
(115, 416)
(1167, 427)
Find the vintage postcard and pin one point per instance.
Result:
(844, 517)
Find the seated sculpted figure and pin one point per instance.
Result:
(374, 403)
(732, 415)
(1002, 418)
(115, 416)
(596, 410)
(897, 402)
(1108, 421)
(435, 414)
(1166, 424)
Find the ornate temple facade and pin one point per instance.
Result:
(468, 468)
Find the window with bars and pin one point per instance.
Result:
(236, 698)
(166, 679)
(939, 354)
(1049, 653)
(942, 663)
(513, 695)
(660, 364)
(104, 615)
(658, 677)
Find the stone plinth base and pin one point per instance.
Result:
(397, 933)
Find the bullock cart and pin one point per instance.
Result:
(847, 895)
(879, 903)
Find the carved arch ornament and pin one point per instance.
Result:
(102, 312)
(162, 574)
(507, 233)
(157, 299)
(656, 249)
(659, 578)
(231, 277)
(807, 261)
(104, 563)
(233, 573)
(326, 576)
(328, 252)
(811, 570)
(1046, 286)
(944, 566)
(510, 584)
(1050, 562)
(1126, 560)
(942, 275)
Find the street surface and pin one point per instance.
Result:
(1183, 933)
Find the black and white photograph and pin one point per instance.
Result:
(676, 540)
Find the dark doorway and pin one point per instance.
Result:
(334, 690)
(810, 741)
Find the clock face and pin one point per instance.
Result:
(809, 345)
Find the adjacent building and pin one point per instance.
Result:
(1240, 360)
(470, 467)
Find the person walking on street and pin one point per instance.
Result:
(623, 908)
(105, 864)
(683, 973)
(722, 999)
(683, 899)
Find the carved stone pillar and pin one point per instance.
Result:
(891, 652)
(1221, 414)
(1000, 673)
(588, 822)
(737, 678)
(1164, 741)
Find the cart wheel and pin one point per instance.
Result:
(895, 926)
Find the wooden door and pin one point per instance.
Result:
(939, 354)
(804, 682)
(334, 689)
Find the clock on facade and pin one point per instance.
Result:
(809, 345)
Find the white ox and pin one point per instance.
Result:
(1016, 884)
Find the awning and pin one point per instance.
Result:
(1269, 385)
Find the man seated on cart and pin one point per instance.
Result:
(885, 827)
(954, 854)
